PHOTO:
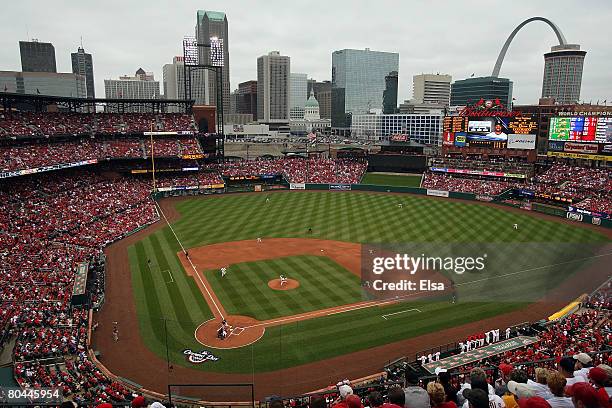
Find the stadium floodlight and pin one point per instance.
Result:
(216, 52)
(190, 46)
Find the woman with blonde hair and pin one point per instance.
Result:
(438, 396)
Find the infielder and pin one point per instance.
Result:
(223, 271)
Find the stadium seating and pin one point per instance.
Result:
(465, 185)
(299, 170)
(34, 155)
(21, 124)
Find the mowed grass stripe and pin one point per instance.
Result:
(178, 301)
(354, 217)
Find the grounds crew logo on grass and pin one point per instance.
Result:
(199, 357)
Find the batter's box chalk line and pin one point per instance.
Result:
(169, 275)
(386, 316)
(237, 331)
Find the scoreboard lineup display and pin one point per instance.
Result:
(581, 129)
(490, 132)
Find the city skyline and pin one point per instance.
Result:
(427, 42)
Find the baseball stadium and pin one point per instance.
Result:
(145, 259)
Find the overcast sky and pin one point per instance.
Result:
(458, 37)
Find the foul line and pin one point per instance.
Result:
(534, 269)
(191, 263)
(400, 312)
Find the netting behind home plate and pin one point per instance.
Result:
(218, 394)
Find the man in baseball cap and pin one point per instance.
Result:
(533, 402)
(520, 390)
(584, 363)
(599, 378)
(584, 396)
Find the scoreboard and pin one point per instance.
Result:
(581, 129)
(494, 132)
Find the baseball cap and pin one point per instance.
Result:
(533, 402)
(139, 402)
(607, 369)
(345, 390)
(584, 358)
(584, 393)
(598, 374)
(353, 401)
(520, 390)
(477, 398)
(505, 368)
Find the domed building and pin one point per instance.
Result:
(312, 119)
(311, 109)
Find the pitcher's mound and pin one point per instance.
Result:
(290, 284)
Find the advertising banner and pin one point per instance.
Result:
(340, 187)
(556, 146)
(437, 193)
(587, 148)
(297, 186)
(519, 141)
(580, 156)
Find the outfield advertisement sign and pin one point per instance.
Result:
(480, 353)
(574, 216)
(297, 186)
(340, 187)
(437, 193)
(577, 210)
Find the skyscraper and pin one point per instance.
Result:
(174, 81)
(273, 73)
(431, 89)
(140, 86)
(471, 90)
(563, 73)
(211, 24)
(247, 98)
(37, 56)
(390, 93)
(82, 64)
(297, 95)
(358, 82)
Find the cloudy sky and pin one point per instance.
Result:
(458, 37)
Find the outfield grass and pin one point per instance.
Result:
(323, 283)
(171, 309)
(408, 180)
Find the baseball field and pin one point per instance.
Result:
(314, 238)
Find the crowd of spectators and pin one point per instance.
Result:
(195, 179)
(34, 155)
(506, 165)
(49, 224)
(301, 170)
(19, 124)
(437, 181)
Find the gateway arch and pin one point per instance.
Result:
(502, 53)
